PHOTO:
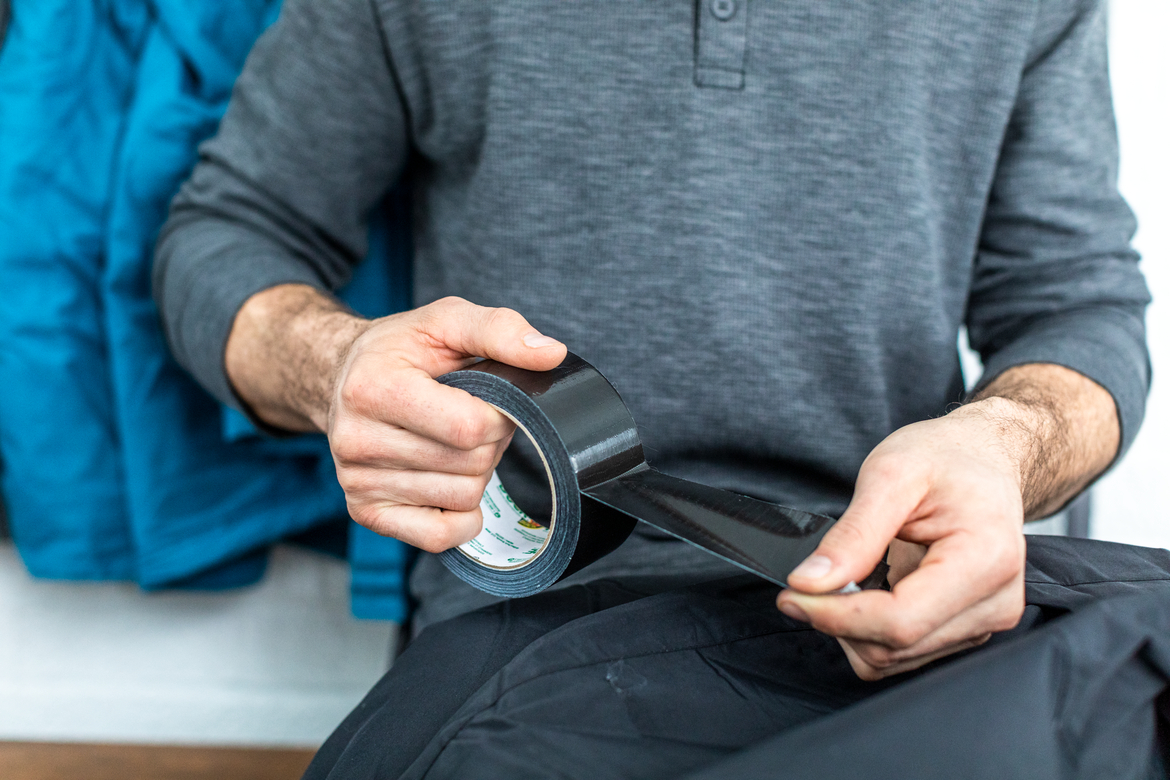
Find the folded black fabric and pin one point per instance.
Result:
(663, 679)
(1074, 699)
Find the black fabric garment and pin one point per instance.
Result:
(653, 680)
(447, 663)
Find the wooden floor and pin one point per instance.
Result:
(52, 761)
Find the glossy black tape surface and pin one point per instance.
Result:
(602, 485)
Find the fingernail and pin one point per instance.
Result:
(537, 341)
(814, 567)
(793, 611)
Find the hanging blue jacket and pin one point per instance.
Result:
(116, 465)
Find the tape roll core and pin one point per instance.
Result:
(517, 518)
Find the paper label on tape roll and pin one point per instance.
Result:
(509, 538)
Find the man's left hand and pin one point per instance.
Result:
(949, 497)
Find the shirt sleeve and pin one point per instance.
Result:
(313, 138)
(1055, 277)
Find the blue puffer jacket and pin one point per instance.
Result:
(117, 466)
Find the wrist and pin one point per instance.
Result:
(328, 336)
(1012, 432)
(284, 352)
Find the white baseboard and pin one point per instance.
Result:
(280, 663)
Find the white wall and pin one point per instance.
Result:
(1132, 504)
(280, 663)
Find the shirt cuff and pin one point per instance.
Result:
(201, 296)
(1106, 346)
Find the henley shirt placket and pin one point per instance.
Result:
(720, 43)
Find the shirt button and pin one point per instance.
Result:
(723, 9)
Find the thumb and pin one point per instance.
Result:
(856, 543)
(499, 334)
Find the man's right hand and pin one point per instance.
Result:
(413, 456)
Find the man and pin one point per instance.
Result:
(764, 222)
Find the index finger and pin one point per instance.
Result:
(416, 402)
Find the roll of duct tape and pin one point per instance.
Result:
(600, 486)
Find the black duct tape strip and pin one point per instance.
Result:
(601, 485)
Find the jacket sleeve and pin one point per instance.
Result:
(312, 139)
(1055, 278)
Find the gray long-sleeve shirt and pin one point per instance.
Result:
(765, 222)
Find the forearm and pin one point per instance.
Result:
(285, 349)
(1059, 427)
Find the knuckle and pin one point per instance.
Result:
(446, 307)
(980, 640)
(465, 499)
(433, 542)
(350, 450)
(378, 519)
(500, 319)
(354, 393)
(373, 396)
(903, 632)
(467, 432)
(1008, 618)
(349, 484)
(355, 482)
(344, 449)
(877, 657)
(440, 534)
(482, 460)
(901, 468)
(432, 317)
(885, 467)
(1005, 557)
